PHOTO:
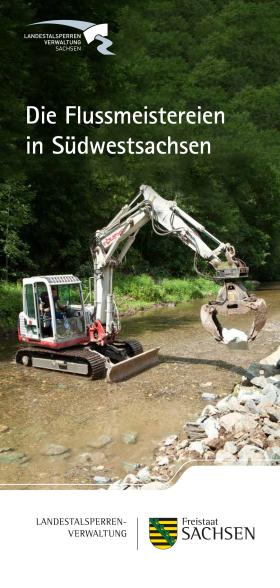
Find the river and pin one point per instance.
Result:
(42, 407)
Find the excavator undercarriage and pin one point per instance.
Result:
(116, 362)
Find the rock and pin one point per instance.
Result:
(240, 436)
(162, 461)
(234, 405)
(53, 449)
(235, 339)
(259, 439)
(225, 457)
(251, 455)
(246, 393)
(97, 457)
(216, 443)
(144, 475)
(101, 480)
(194, 430)
(100, 441)
(182, 444)
(197, 446)
(206, 385)
(170, 440)
(222, 405)
(251, 406)
(4, 429)
(130, 479)
(271, 442)
(209, 410)
(271, 424)
(118, 485)
(211, 427)
(274, 380)
(268, 430)
(5, 449)
(269, 394)
(130, 467)
(273, 454)
(231, 447)
(238, 422)
(130, 437)
(13, 456)
(90, 458)
(209, 455)
(192, 426)
(209, 396)
(259, 381)
(273, 413)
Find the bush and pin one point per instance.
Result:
(147, 290)
(10, 305)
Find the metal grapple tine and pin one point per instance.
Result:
(210, 322)
(259, 307)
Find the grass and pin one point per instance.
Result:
(135, 292)
(132, 293)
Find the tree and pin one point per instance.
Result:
(15, 214)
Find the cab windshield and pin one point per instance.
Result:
(69, 314)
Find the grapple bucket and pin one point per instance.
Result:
(134, 365)
(233, 299)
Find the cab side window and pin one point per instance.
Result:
(29, 297)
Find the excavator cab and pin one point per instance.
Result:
(53, 311)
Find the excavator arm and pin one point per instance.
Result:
(111, 244)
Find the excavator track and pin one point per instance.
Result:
(81, 361)
(133, 347)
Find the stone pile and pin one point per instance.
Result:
(242, 428)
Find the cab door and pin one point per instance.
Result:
(31, 312)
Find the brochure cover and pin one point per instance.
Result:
(139, 292)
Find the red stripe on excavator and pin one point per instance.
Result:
(54, 345)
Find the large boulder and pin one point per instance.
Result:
(211, 427)
(236, 421)
(252, 455)
(225, 458)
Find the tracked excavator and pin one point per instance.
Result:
(60, 331)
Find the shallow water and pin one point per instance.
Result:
(41, 407)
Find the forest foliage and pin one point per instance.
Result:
(176, 54)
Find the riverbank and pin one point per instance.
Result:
(242, 428)
(132, 293)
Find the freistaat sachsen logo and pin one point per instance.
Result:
(163, 532)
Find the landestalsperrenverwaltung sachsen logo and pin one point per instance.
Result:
(73, 41)
(163, 532)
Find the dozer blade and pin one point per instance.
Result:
(134, 365)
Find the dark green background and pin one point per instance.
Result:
(177, 54)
